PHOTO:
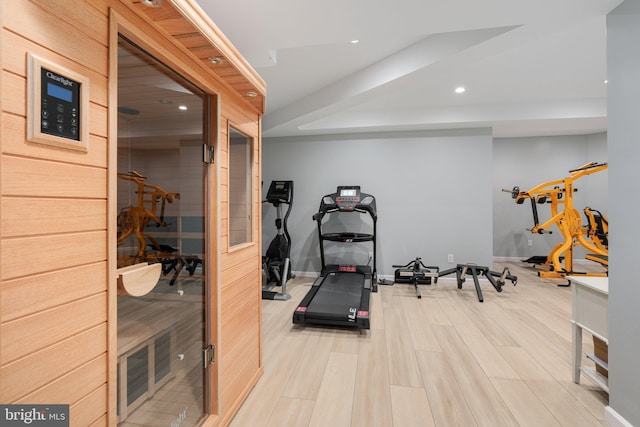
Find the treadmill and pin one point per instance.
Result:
(340, 295)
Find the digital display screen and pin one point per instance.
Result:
(348, 193)
(59, 92)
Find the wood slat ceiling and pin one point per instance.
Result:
(197, 34)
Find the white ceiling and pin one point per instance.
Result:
(530, 68)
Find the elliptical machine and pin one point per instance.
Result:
(276, 261)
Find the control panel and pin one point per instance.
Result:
(348, 198)
(60, 105)
(280, 192)
(57, 105)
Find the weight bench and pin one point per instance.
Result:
(177, 263)
(462, 270)
(415, 272)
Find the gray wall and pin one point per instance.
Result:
(623, 62)
(529, 162)
(433, 191)
(598, 185)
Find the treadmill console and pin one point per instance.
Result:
(280, 192)
(347, 198)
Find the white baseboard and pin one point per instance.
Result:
(444, 279)
(520, 258)
(495, 259)
(507, 258)
(310, 274)
(614, 419)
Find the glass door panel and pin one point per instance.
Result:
(161, 220)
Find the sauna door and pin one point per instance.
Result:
(161, 192)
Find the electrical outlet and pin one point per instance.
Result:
(529, 242)
(450, 258)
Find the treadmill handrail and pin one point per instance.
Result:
(368, 210)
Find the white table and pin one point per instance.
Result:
(590, 306)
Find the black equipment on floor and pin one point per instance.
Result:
(276, 261)
(598, 232)
(536, 259)
(462, 270)
(539, 260)
(415, 272)
(340, 295)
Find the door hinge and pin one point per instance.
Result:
(208, 355)
(208, 153)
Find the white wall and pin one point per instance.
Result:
(529, 162)
(433, 191)
(623, 63)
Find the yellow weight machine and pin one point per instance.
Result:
(559, 193)
(134, 219)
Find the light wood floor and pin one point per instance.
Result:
(443, 360)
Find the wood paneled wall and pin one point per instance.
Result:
(53, 288)
(56, 276)
(240, 268)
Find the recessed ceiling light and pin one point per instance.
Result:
(252, 93)
(152, 3)
(460, 89)
(182, 107)
(128, 110)
(355, 41)
(606, 81)
(216, 59)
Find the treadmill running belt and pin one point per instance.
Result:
(339, 295)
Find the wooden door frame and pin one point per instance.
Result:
(160, 46)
